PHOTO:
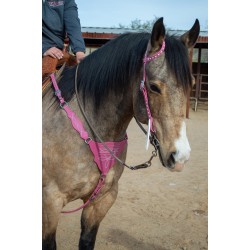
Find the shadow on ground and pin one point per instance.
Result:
(122, 238)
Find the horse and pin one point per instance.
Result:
(137, 75)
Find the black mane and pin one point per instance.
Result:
(117, 63)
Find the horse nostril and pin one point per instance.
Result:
(173, 153)
(171, 161)
(174, 156)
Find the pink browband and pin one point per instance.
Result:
(102, 156)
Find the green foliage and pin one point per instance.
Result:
(139, 24)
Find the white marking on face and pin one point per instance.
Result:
(182, 146)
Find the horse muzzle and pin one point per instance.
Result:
(170, 162)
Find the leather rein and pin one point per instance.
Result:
(153, 138)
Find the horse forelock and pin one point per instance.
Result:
(177, 59)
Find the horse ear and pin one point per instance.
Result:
(158, 34)
(189, 38)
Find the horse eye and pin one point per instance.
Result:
(154, 88)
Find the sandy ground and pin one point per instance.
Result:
(155, 208)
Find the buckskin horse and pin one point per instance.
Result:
(85, 117)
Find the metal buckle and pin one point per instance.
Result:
(62, 104)
(87, 140)
(142, 85)
(58, 92)
(154, 141)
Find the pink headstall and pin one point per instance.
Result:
(147, 59)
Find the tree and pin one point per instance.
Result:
(139, 24)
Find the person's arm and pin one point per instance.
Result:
(73, 29)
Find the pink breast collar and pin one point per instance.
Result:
(102, 156)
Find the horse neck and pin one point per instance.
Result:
(110, 122)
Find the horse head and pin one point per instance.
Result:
(167, 81)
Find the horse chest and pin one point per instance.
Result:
(83, 180)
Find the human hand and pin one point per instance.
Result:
(54, 52)
(79, 56)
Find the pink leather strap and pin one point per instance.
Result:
(76, 122)
(99, 186)
(102, 156)
(147, 59)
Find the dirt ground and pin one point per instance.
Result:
(155, 208)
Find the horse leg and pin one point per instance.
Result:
(92, 215)
(51, 213)
(49, 243)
